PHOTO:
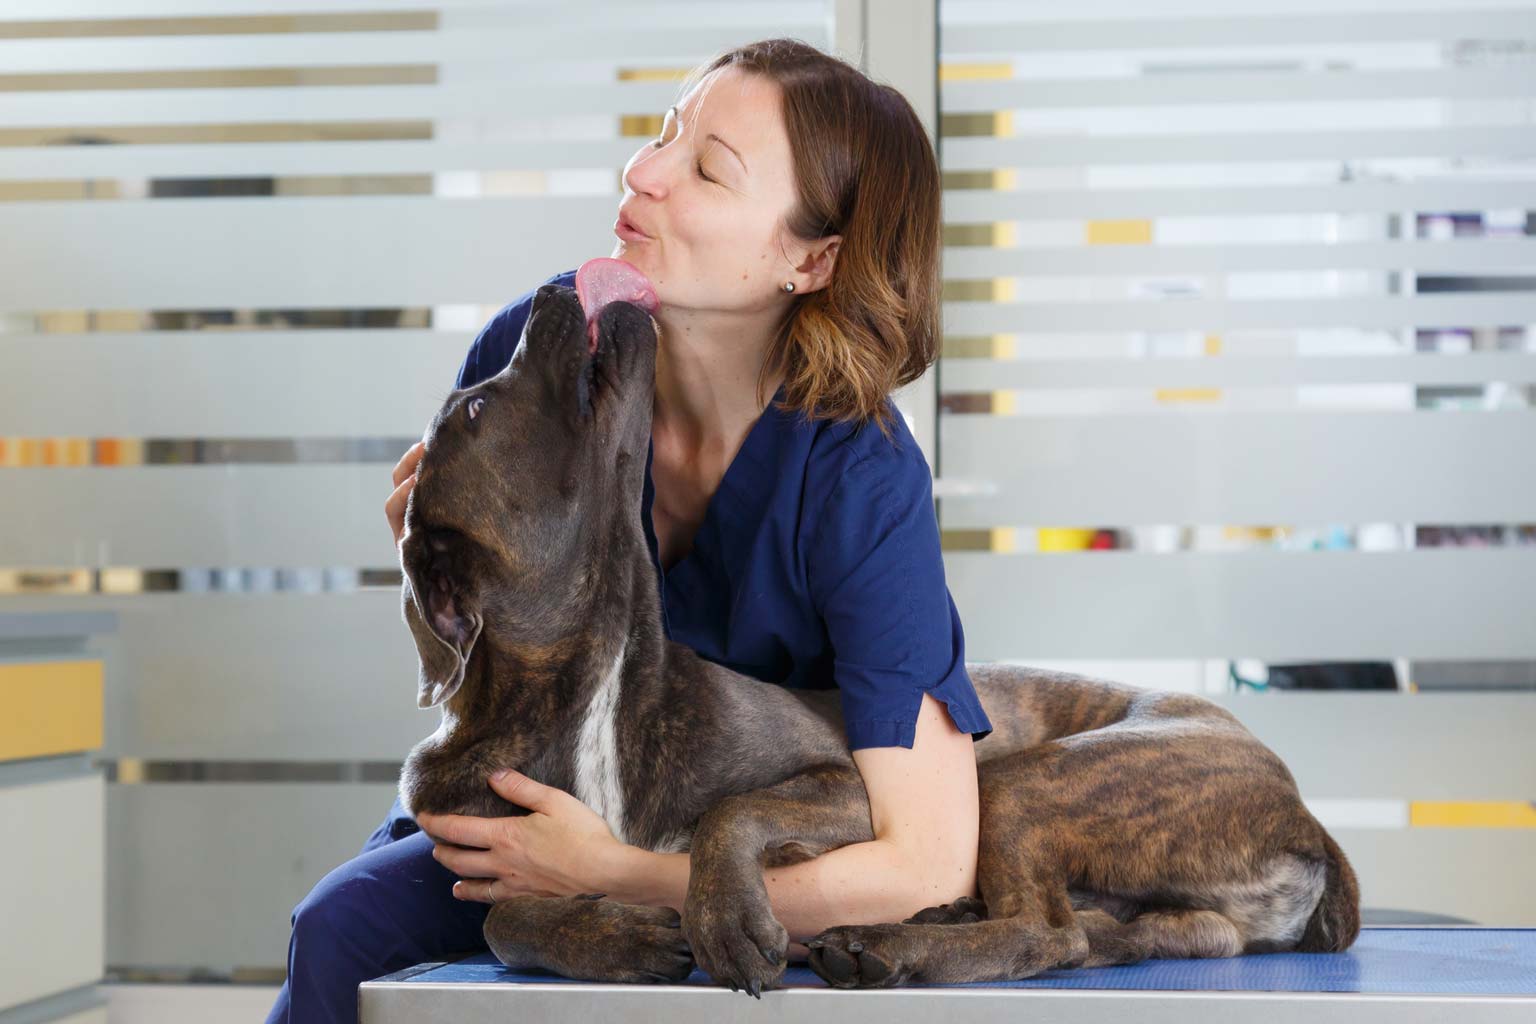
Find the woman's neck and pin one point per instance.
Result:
(707, 371)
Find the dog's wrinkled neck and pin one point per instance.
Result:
(529, 697)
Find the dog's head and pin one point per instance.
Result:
(525, 481)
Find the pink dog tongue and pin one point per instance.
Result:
(604, 280)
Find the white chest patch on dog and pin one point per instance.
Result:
(597, 751)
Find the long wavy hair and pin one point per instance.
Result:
(866, 170)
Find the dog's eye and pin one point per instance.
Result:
(474, 406)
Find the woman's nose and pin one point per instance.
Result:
(648, 172)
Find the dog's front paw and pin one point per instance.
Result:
(860, 956)
(590, 939)
(736, 939)
(965, 910)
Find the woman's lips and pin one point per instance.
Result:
(627, 231)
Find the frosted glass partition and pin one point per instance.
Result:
(1238, 385)
(246, 247)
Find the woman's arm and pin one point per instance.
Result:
(924, 809)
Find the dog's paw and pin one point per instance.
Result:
(965, 910)
(860, 956)
(591, 939)
(737, 941)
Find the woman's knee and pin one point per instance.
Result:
(395, 899)
(339, 905)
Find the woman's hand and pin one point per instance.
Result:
(562, 849)
(405, 479)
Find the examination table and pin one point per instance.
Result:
(1397, 974)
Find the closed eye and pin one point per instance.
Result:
(699, 167)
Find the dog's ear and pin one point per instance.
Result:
(444, 618)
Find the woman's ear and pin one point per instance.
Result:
(818, 263)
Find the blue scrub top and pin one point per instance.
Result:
(817, 564)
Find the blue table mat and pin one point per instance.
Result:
(1429, 961)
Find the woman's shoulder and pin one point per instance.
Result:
(492, 348)
(847, 458)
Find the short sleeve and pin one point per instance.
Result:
(876, 578)
(492, 348)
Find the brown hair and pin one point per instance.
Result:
(865, 170)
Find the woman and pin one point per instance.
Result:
(788, 217)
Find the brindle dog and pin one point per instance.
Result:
(1116, 823)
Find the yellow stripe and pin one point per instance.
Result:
(1188, 394)
(49, 708)
(1064, 538)
(1472, 814)
(1119, 232)
(955, 72)
(652, 74)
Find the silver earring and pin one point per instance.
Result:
(789, 286)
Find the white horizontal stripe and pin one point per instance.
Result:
(1464, 873)
(168, 517)
(1275, 606)
(1342, 813)
(1248, 314)
(1235, 87)
(968, 39)
(308, 104)
(1482, 254)
(1390, 745)
(68, 10)
(982, 205)
(258, 159)
(328, 676)
(626, 36)
(1230, 10)
(1069, 150)
(356, 251)
(197, 870)
(220, 383)
(965, 375)
(1355, 467)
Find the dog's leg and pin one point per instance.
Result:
(727, 917)
(1175, 818)
(589, 938)
(1168, 934)
(1031, 928)
(1125, 939)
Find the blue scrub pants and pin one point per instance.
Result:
(388, 908)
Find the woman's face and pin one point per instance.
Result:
(710, 194)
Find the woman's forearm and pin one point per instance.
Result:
(866, 883)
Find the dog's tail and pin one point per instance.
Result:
(1335, 923)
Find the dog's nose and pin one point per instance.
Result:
(541, 297)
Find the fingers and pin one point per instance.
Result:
(476, 890)
(514, 786)
(404, 477)
(407, 464)
(459, 829)
(394, 507)
(465, 863)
